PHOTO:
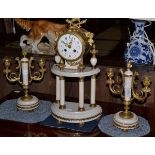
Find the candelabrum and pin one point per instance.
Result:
(25, 76)
(126, 87)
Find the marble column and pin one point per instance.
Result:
(58, 89)
(62, 93)
(93, 91)
(81, 94)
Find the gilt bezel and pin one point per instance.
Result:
(81, 40)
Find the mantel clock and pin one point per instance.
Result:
(71, 47)
(73, 44)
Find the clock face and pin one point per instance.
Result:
(70, 46)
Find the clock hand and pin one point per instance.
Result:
(70, 43)
(65, 44)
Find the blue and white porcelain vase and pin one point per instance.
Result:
(140, 50)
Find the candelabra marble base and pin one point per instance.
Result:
(125, 123)
(107, 127)
(27, 103)
(71, 114)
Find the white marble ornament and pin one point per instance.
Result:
(93, 61)
(57, 59)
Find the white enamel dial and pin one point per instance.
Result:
(70, 47)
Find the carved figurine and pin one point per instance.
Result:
(37, 31)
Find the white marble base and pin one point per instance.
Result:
(72, 115)
(29, 104)
(88, 71)
(125, 123)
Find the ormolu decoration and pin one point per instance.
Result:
(128, 91)
(24, 76)
(71, 46)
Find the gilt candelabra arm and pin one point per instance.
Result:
(146, 83)
(37, 76)
(114, 88)
(141, 95)
(135, 75)
(12, 76)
